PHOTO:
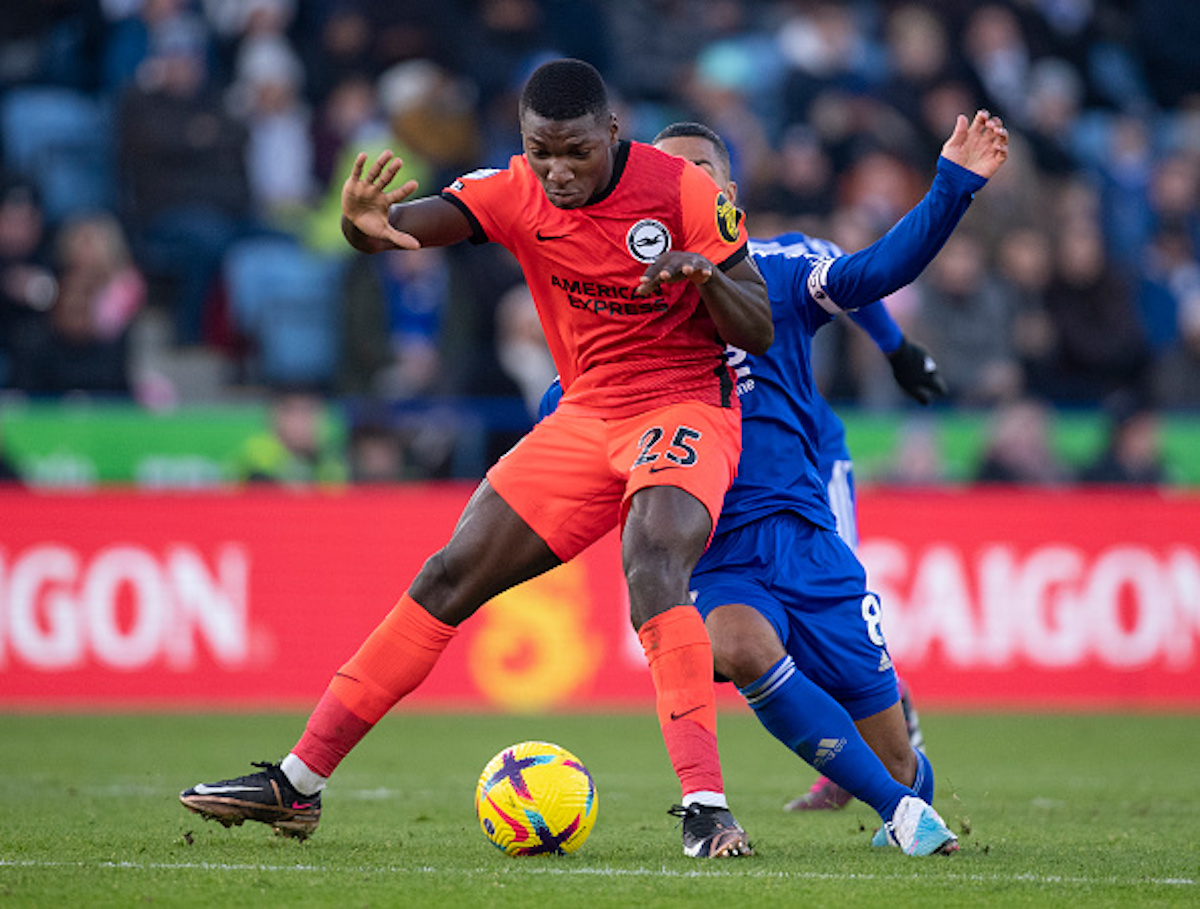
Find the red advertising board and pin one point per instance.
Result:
(1033, 598)
(253, 599)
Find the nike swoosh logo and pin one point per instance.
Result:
(205, 789)
(544, 237)
(659, 467)
(300, 806)
(680, 716)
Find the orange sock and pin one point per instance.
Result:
(393, 660)
(680, 657)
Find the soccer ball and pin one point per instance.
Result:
(536, 798)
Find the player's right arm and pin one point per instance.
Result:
(375, 219)
(973, 153)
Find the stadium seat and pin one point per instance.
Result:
(62, 140)
(285, 298)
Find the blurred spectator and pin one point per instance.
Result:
(657, 41)
(432, 111)
(825, 48)
(1054, 98)
(1176, 283)
(392, 310)
(27, 284)
(521, 346)
(133, 36)
(339, 48)
(1175, 194)
(1025, 266)
(1133, 453)
(920, 62)
(999, 58)
(882, 186)
(52, 42)
(349, 110)
(966, 317)
(1167, 34)
(1018, 449)
(1170, 279)
(1100, 346)
(917, 457)
(266, 96)
(183, 164)
(496, 44)
(801, 180)
(720, 89)
(1125, 171)
(82, 344)
(298, 449)
(376, 452)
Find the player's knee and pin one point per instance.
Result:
(742, 660)
(436, 587)
(657, 582)
(745, 646)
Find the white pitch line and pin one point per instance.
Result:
(605, 872)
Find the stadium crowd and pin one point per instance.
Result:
(169, 200)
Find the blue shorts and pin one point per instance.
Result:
(811, 587)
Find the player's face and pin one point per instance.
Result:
(573, 159)
(701, 152)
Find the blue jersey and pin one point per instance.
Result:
(809, 282)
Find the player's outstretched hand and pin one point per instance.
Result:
(916, 372)
(366, 200)
(675, 266)
(980, 145)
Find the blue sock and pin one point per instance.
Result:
(815, 726)
(923, 784)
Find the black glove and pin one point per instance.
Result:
(916, 372)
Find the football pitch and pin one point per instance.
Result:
(1052, 810)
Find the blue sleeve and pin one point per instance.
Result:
(879, 324)
(550, 399)
(896, 258)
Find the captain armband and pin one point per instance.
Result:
(816, 282)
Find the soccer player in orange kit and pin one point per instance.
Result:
(639, 268)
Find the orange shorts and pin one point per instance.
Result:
(571, 477)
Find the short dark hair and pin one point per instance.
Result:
(689, 130)
(564, 90)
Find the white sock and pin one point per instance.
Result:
(298, 774)
(705, 797)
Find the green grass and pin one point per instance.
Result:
(1053, 811)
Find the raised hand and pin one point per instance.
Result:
(980, 145)
(366, 200)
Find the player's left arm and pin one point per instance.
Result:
(972, 154)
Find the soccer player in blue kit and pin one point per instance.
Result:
(785, 600)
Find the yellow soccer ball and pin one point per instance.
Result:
(536, 798)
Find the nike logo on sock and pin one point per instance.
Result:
(205, 789)
(680, 716)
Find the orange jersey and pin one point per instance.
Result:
(617, 353)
